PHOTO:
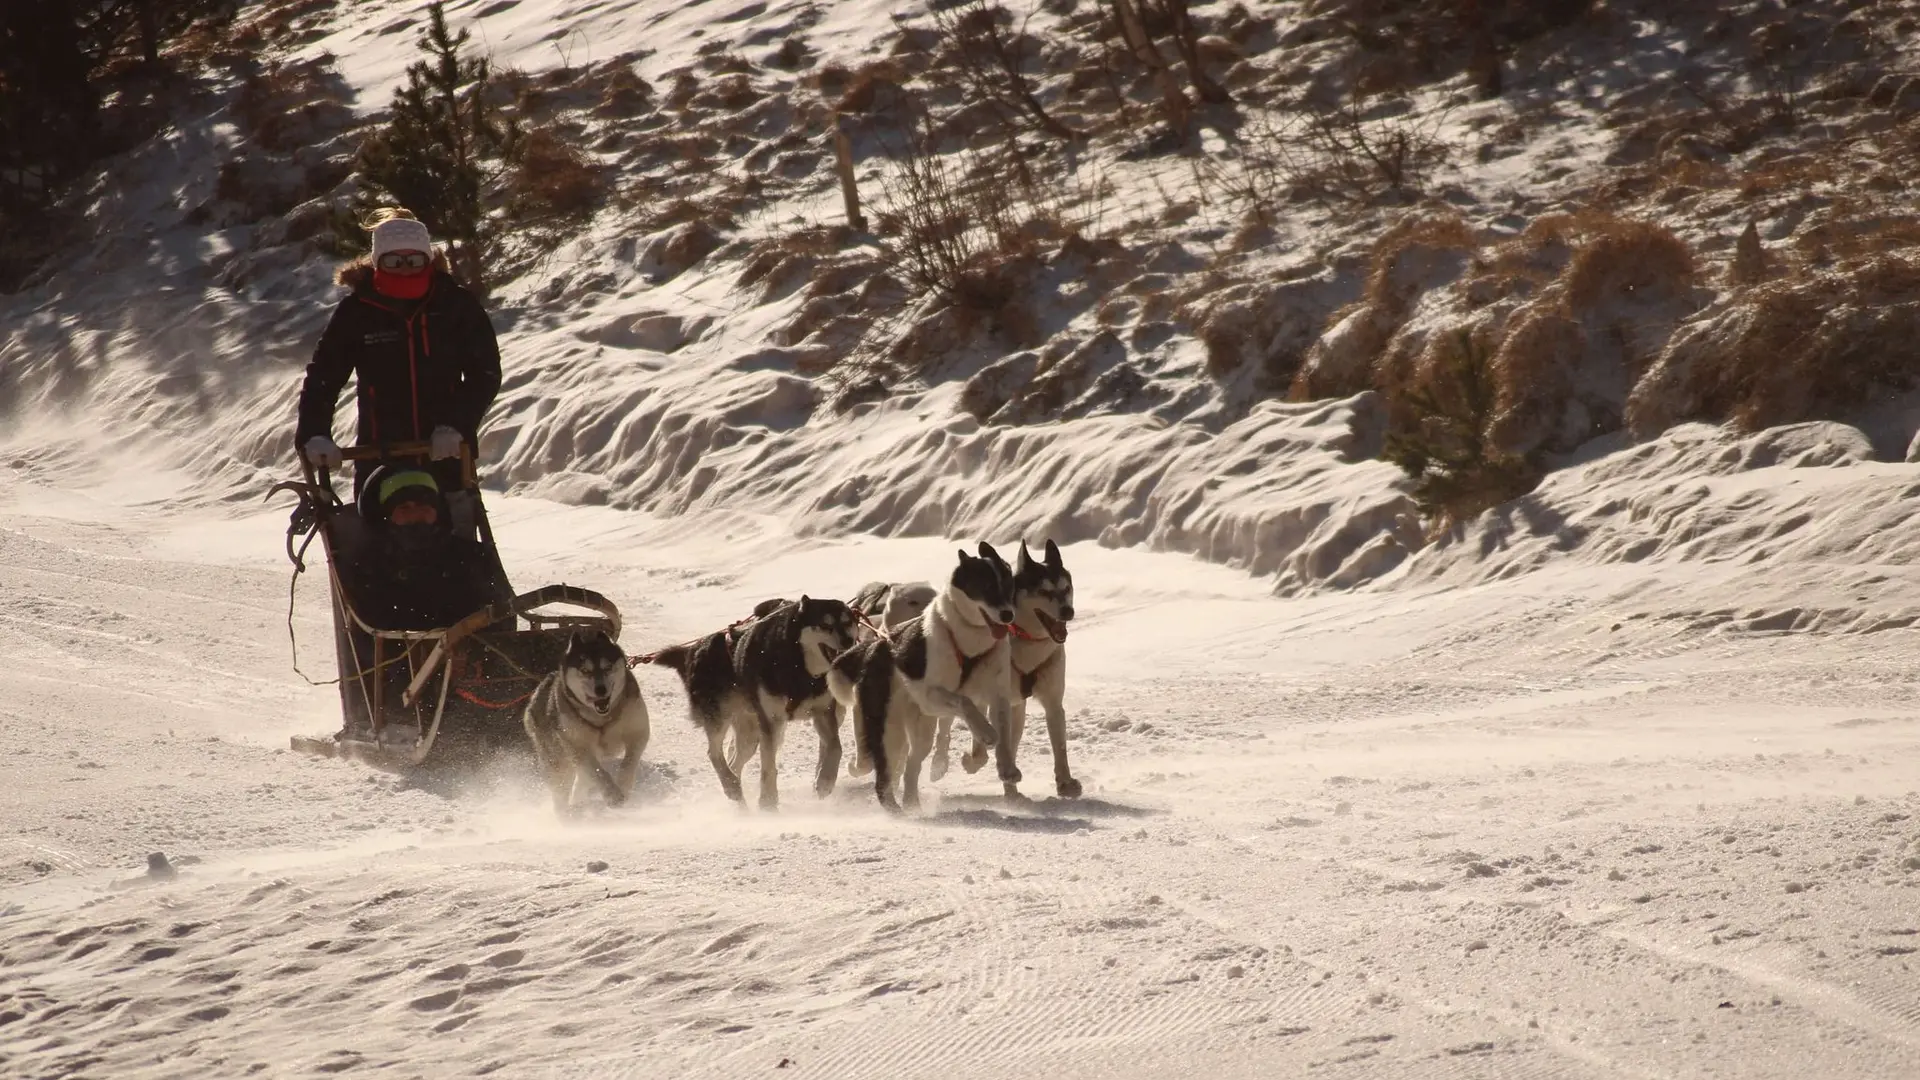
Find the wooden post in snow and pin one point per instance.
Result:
(843, 159)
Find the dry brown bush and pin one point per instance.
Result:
(1624, 256)
(554, 180)
(1353, 154)
(1570, 313)
(875, 87)
(731, 93)
(1408, 255)
(980, 47)
(625, 95)
(284, 106)
(1807, 346)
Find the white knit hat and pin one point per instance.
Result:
(400, 234)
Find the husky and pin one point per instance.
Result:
(588, 709)
(753, 678)
(780, 663)
(891, 604)
(953, 660)
(1043, 606)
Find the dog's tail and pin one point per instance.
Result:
(843, 682)
(677, 657)
(843, 674)
(876, 687)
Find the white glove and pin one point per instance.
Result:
(321, 451)
(446, 443)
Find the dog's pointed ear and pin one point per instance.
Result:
(573, 642)
(805, 602)
(987, 552)
(964, 557)
(1053, 554)
(1024, 559)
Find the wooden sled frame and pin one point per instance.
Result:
(456, 657)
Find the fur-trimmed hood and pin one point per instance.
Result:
(358, 274)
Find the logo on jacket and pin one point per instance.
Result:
(383, 337)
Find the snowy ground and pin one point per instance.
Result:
(1513, 828)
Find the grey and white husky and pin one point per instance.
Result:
(1043, 608)
(587, 711)
(955, 660)
(889, 604)
(755, 678)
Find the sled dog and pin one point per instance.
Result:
(780, 663)
(890, 604)
(752, 679)
(953, 660)
(1043, 606)
(887, 606)
(588, 710)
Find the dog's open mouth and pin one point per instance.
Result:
(999, 630)
(1055, 629)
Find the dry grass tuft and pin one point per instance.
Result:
(1806, 346)
(554, 179)
(1417, 253)
(1620, 257)
(288, 105)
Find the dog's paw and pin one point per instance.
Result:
(1010, 773)
(1068, 787)
(973, 759)
(1013, 796)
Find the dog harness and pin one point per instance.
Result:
(968, 663)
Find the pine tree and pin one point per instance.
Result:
(49, 110)
(443, 149)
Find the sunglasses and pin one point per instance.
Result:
(405, 260)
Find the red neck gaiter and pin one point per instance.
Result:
(401, 286)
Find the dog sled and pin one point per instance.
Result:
(415, 699)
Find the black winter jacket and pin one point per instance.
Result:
(421, 363)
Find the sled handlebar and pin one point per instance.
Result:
(377, 452)
(391, 450)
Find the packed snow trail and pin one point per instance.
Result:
(1521, 828)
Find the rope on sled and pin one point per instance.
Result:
(293, 642)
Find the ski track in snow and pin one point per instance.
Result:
(1506, 829)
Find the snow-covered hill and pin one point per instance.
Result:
(687, 349)
(1615, 779)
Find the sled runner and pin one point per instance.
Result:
(450, 694)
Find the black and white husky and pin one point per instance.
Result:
(753, 679)
(955, 660)
(1043, 606)
(887, 606)
(588, 710)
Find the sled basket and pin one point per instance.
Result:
(417, 699)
